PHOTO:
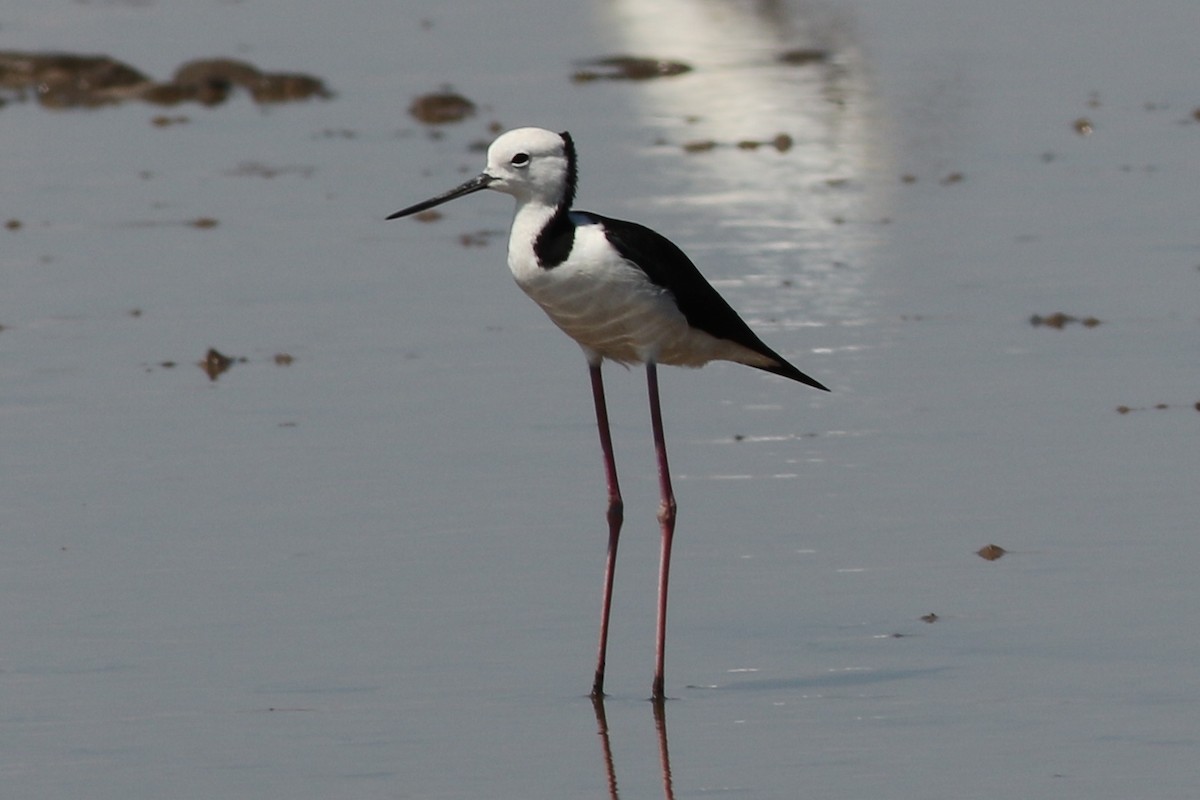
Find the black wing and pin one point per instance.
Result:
(669, 267)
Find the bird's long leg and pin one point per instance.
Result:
(616, 514)
(666, 519)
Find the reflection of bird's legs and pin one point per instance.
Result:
(664, 755)
(610, 771)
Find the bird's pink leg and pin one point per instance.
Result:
(616, 514)
(666, 518)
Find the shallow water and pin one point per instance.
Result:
(375, 571)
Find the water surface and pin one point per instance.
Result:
(374, 571)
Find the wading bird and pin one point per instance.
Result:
(623, 293)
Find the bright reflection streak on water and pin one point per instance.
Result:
(800, 222)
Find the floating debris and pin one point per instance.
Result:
(952, 178)
(63, 80)
(215, 363)
(199, 222)
(699, 146)
(257, 169)
(1083, 126)
(991, 552)
(284, 359)
(629, 68)
(930, 618)
(13, 224)
(1058, 320)
(478, 238)
(440, 108)
(782, 142)
(804, 56)
(164, 121)
(209, 81)
(67, 80)
(1155, 407)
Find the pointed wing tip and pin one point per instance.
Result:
(786, 370)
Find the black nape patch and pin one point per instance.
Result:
(568, 198)
(554, 243)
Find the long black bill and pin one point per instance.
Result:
(477, 183)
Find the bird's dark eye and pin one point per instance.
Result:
(520, 160)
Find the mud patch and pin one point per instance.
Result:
(1156, 407)
(805, 56)
(70, 81)
(216, 363)
(441, 108)
(1058, 320)
(780, 142)
(991, 552)
(628, 68)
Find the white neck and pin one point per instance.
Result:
(530, 218)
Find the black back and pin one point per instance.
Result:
(664, 264)
(669, 267)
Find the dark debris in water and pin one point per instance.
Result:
(628, 68)
(440, 108)
(781, 142)
(479, 238)
(257, 169)
(991, 552)
(699, 146)
(949, 179)
(216, 363)
(69, 80)
(805, 56)
(1156, 407)
(203, 223)
(166, 121)
(1058, 320)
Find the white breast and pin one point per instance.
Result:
(608, 305)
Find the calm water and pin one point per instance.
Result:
(375, 572)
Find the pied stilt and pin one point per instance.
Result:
(623, 293)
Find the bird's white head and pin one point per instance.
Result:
(531, 164)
